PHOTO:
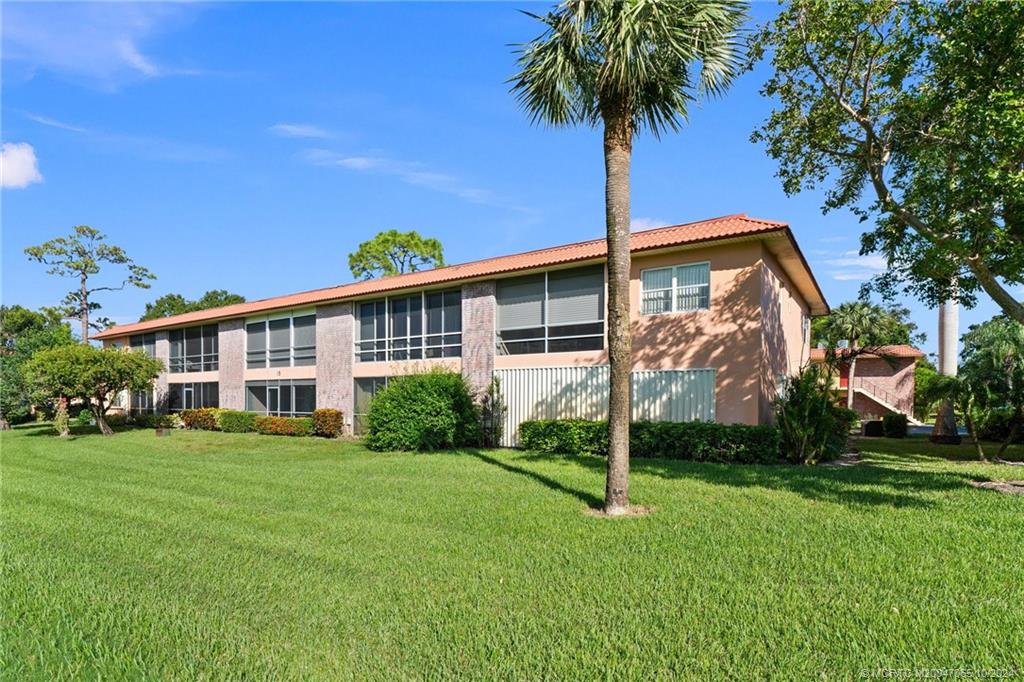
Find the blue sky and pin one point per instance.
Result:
(251, 147)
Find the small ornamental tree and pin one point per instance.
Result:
(93, 375)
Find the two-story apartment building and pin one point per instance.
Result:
(721, 311)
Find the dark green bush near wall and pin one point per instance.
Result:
(697, 441)
(894, 425)
(234, 421)
(429, 411)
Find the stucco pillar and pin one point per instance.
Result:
(479, 311)
(162, 352)
(231, 364)
(335, 351)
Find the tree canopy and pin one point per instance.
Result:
(81, 255)
(176, 304)
(882, 326)
(393, 253)
(95, 375)
(23, 332)
(911, 114)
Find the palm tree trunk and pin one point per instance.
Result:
(618, 150)
(849, 375)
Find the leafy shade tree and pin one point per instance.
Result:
(81, 255)
(395, 253)
(625, 67)
(23, 332)
(95, 375)
(176, 304)
(891, 326)
(911, 113)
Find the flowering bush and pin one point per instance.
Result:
(284, 426)
(204, 418)
(327, 423)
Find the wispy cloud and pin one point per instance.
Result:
(19, 167)
(100, 43)
(834, 239)
(141, 145)
(413, 173)
(853, 267)
(300, 130)
(636, 224)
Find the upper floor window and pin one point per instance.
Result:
(144, 342)
(423, 325)
(281, 341)
(194, 349)
(675, 289)
(552, 312)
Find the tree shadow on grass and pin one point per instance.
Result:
(592, 501)
(862, 485)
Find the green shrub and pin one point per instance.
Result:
(996, 425)
(565, 436)
(204, 418)
(234, 421)
(156, 421)
(328, 423)
(812, 428)
(284, 426)
(84, 418)
(428, 411)
(894, 425)
(117, 420)
(698, 441)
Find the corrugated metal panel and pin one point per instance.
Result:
(582, 393)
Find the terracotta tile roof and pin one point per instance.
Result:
(901, 351)
(726, 227)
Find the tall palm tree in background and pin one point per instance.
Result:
(853, 321)
(625, 66)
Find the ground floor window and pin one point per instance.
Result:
(365, 389)
(281, 398)
(141, 402)
(192, 396)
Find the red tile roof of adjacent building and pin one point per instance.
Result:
(726, 227)
(900, 351)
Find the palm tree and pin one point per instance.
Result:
(853, 321)
(627, 66)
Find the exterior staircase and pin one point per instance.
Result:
(885, 398)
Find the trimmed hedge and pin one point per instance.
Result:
(328, 423)
(234, 421)
(697, 441)
(204, 418)
(429, 411)
(284, 426)
(895, 425)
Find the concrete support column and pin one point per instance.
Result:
(479, 319)
(163, 353)
(231, 364)
(335, 353)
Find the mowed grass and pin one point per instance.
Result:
(208, 555)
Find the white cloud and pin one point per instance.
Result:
(140, 145)
(299, 130)
(18, 165)
(411, 173)
(855, 267)
(833, 239)
(101, 43)
(636, 224)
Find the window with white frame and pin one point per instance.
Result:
(192, 395)
(141, 402)
(412, 327)
(281, 398)
(144, 342)
(287, 340)
(194, 349)
(675, 289)
(552, 312)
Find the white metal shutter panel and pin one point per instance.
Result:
(576, 295)
(521, 302)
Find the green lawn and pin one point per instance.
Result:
(240, 556)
